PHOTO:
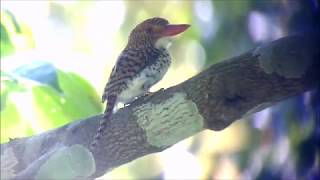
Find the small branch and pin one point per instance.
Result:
(212, 100)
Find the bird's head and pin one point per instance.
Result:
(156, 32)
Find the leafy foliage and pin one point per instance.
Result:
(29, 106)
(14, 35)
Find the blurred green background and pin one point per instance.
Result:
(56, 57)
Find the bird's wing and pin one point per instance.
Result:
(129, 64)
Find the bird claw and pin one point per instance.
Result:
(128, 103)
(135, 99)
(145, 96)
(148, 95)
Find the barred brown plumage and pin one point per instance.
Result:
(141, 64)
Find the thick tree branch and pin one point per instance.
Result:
(213, 100)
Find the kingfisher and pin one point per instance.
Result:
(143, 62)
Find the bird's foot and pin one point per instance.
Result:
(149, 94)
(145, 96)
(132, 101)
(127, 104)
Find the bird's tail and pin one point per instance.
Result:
(111, 101)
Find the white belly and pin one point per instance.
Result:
(134, 90)
(143, 81)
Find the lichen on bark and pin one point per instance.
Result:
(170, 121)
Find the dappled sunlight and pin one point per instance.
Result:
(263, 28)
(262, 119)
(231, 139)
(103, 22)
(56, 57)
(227, 169)
(27, 113)
(180, 164)
(145, 167)
(207, 20)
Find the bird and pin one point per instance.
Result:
(143, 62)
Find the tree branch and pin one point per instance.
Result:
(212, 100)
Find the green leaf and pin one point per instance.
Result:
(81, 99)
(8, 84)
(49, 107)
(5, 42)
(12, 124)
(9, 119)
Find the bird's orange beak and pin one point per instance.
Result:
(174, 29)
